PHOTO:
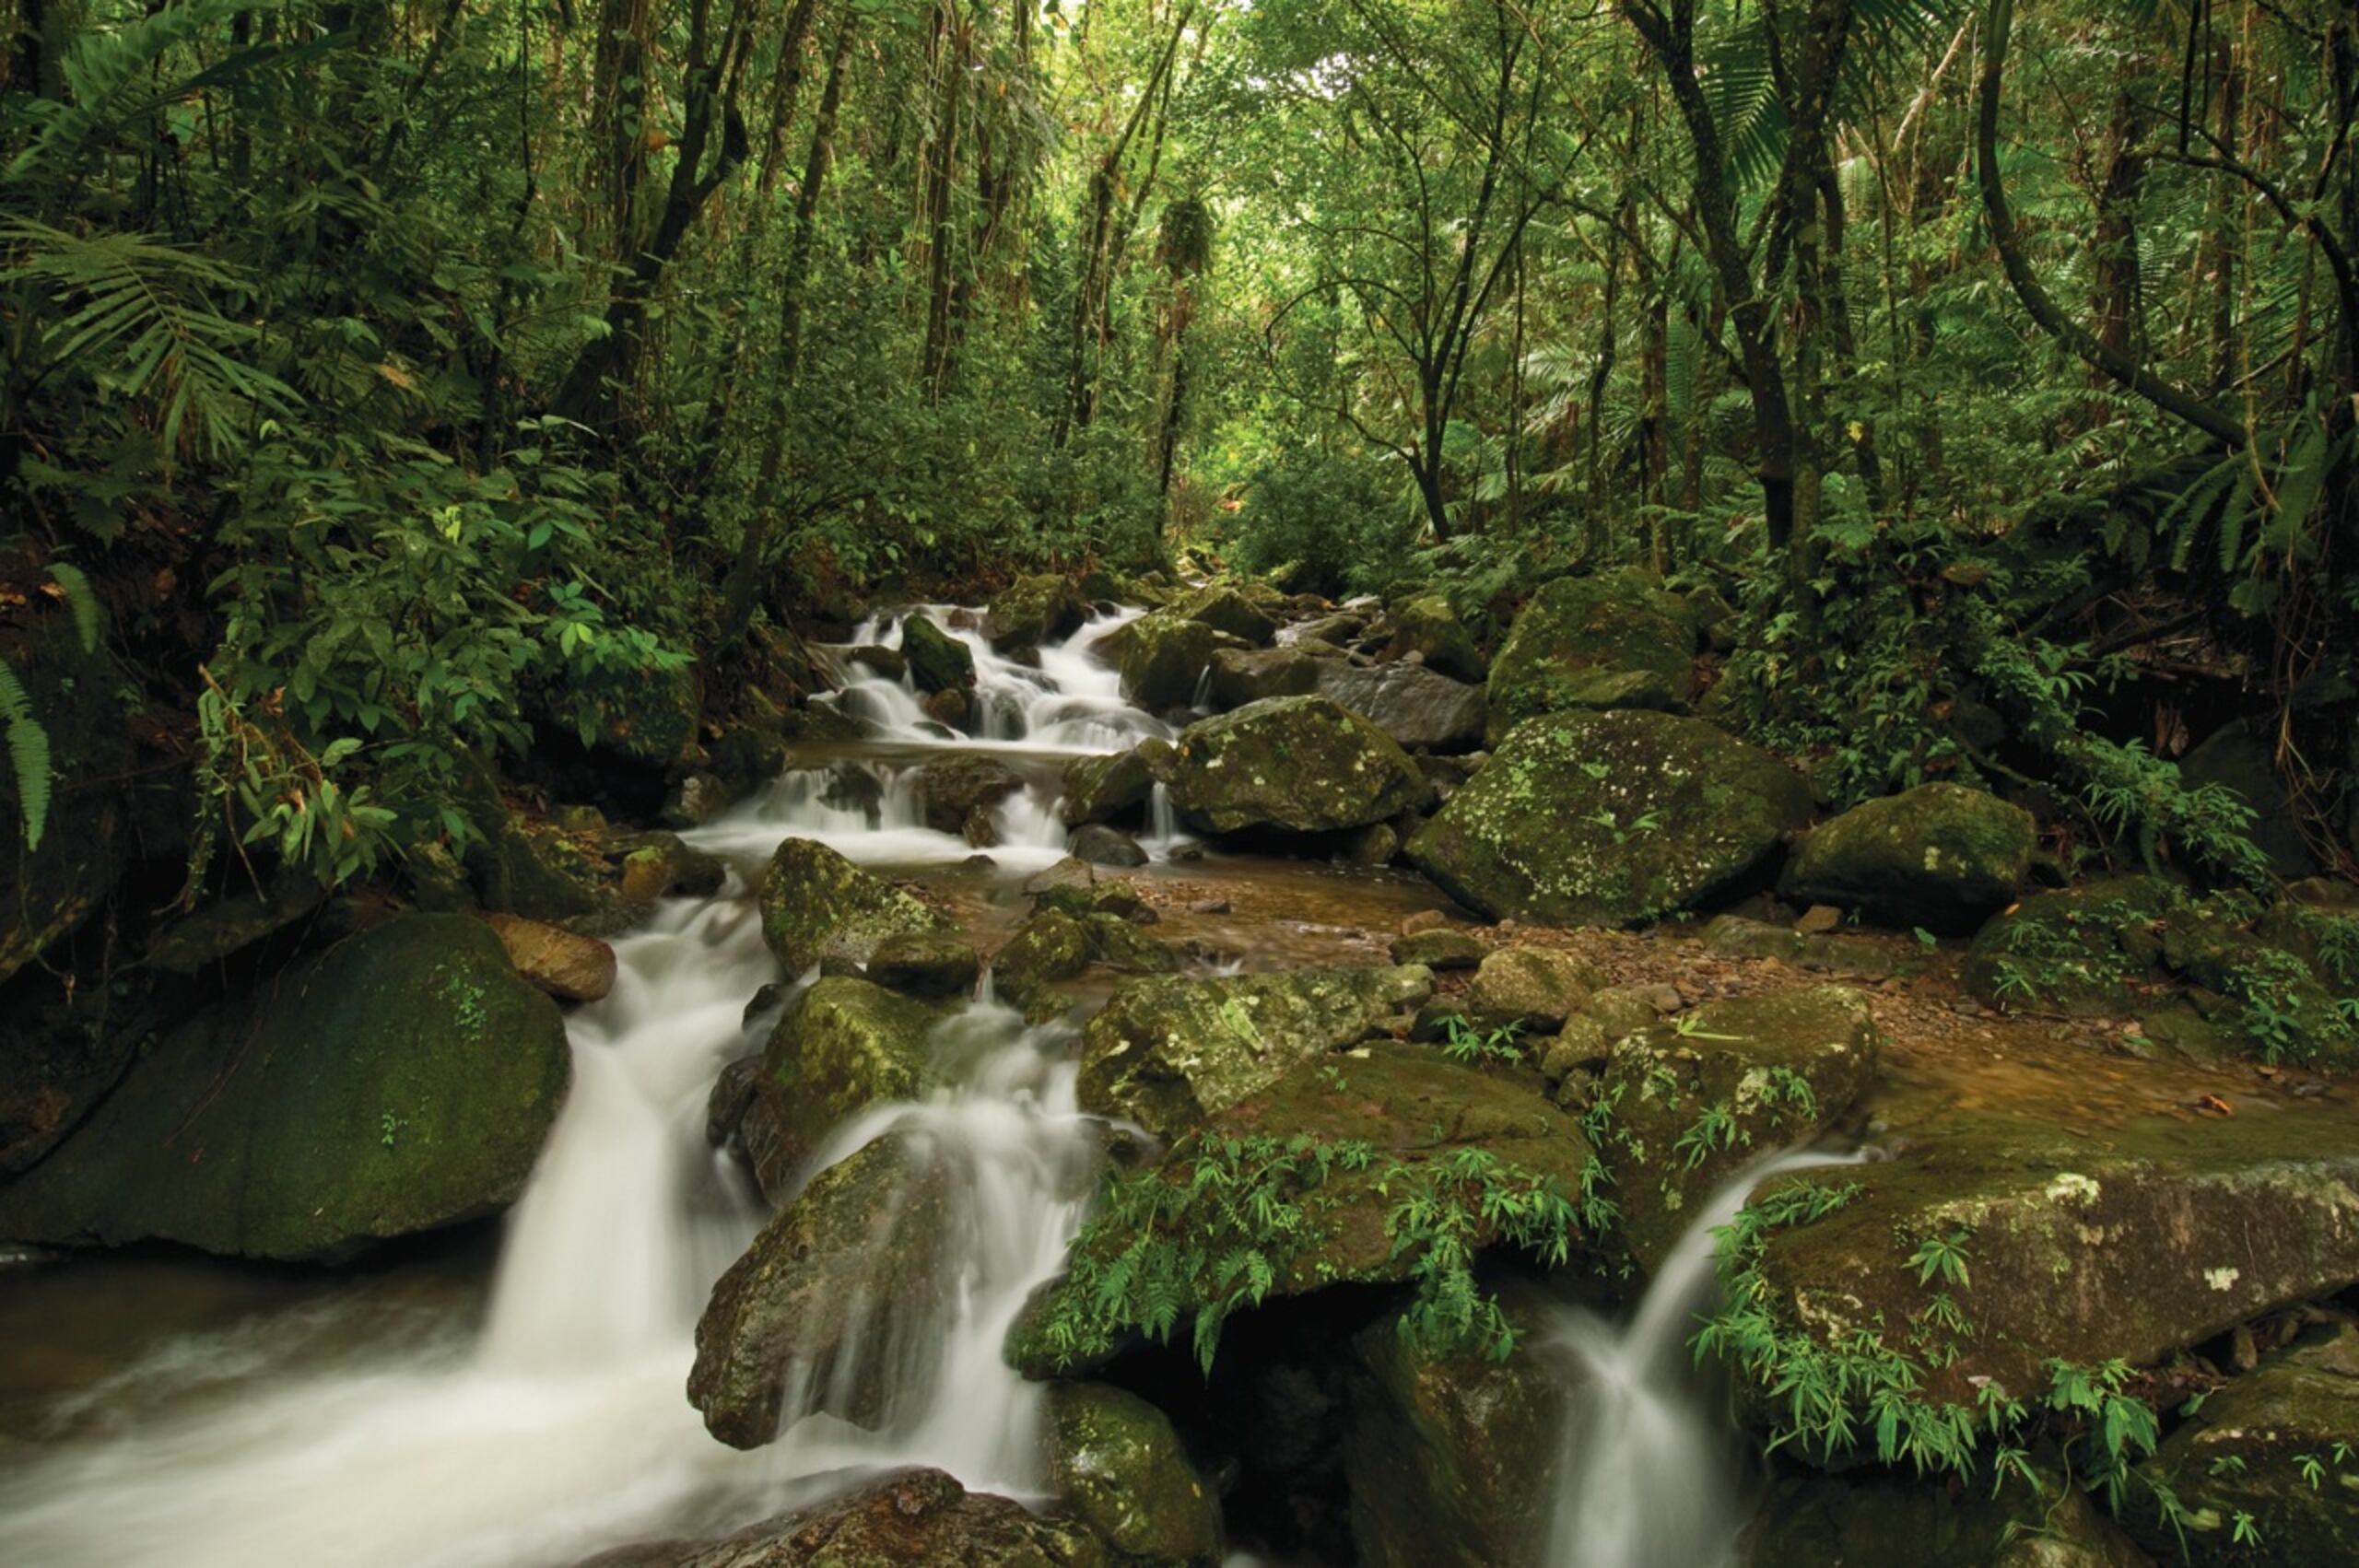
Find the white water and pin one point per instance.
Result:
(1070, 705)
(1650, 1463)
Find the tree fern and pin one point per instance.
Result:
(28, 752)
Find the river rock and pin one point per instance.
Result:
(816, 904)
(1438, 948)
(1226, 610)
(1167, 1053)
(1105, 789)
(1104, 846)
(1737, 937)
(1427, 629)
(570, 967)
(1164, 657)
(1299, 763)
(933, 966)
(659, 865)
(1870, 1520)
(864, 1237)
(1049, 947)
(1241, 676)
(1531, 988)
(1940, 855)
(842, 1045)
(1034, 610)
(1617, 641)
(1610, 819)
(956, 791)
(938, 661)
(400, 1082)
(1416, 706)
(1118, 1466)
(2280, 1445)
(1744, 1078)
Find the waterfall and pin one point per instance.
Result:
(1649, 1462)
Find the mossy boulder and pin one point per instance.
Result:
(1297, 764)
(1034, 610)
(1425, 626)
(2278, 1446)
(842, 1045)
(1225, 609)
(1871, 1520)
(403, 1080)
(937, 661)
(1741, 1078)
(1052, 946)
(1439, 948)
(1118, 1466)
(1167, 1053)
(1531, 988)
(1940, 855)
(866, 1236)
(1164, 657)
(933, 966)
(1620, 639)
(513, 870)
(1452, 1458)
(2085, 950)
(1105, 789)
(1241, 676)
(957, 793)
(659, 865)
(1737, 937)
(1411, 703)
(816, 905)
(1609, 819)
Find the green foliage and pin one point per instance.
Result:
(1479, 1047)
(28, 754)
(1450, 1208)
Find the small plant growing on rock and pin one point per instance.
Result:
(1479, 1047)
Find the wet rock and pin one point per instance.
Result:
(938, 661)
(1609, 819)
(1123, 947)
(816, 903)
(1617, 640)
(1741, 1078)
(1104, 846)
(843, 1045)
(1164, 657)
(1450, 1458)
(1941, 856)
(1118, 1466)
(887, 663)
(1428, 629)
(1532, 988)
(866, 1232)
(1378, 844)
(658, 865)
(1034, 610)
(933, 966)
(732, 1098)
(955, 791)
(2278, 1446)
(1167, 1053)
(400, 1082)
(1050, 947)
(1416, 706)
(1068, 872)
(1871, 1520)
(1298, 764)
(1105, 789)
(1438, 948)
(1739, 938)
(1226, 610)
(569, 967)
(1619, 1010)
(1243, 675)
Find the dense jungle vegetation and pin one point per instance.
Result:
(397, 384)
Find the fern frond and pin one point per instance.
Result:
(27, 752)
(80, 600)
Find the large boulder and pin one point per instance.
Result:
(1531, 988)
(1425, 627)
(1940, 855)
(1034, 610)
(1610, 819)
(842, 1046)
(1241, 676)
(798, 1309)
(1118, 1466)
(1164, 657)
(2278, 1447)
(932, 965)
(1871, 1520)
(1617, 640)
(1226, 610)
(1692, 1105)
(937, 661)
(401, 1081)
(817, 905)
(1299, 763)
(1408, 702)
(1105, 789)
(1050, 947)
(1165, 1053)
(958, 793)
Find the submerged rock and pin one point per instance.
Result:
(1168, 1053)
(1117, 1465)
(401, 1081)
(816, 904)
(798, 1314)
(1299, 763)
(1940, 855)
(1609, 819)
(1617, 641)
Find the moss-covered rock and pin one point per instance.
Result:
(1744, 1076)
(1609, 819)
(1167, 1053)
(957, 793)
(1737, 937)
(2085, 950)
(1411, 703)
(1531, 988)
(659, 865)
(1225, 609)
(817, 905)
(1118, 1466)
(866, 1233)
(1427, 626)
(1120, 945)
(1241, 676)
(1452, 1458)
(1104, 846)
(1105, 789)
(1164, 657)
(1300, 763)
(403, 1080)
(1620, 639)
(937, 661)
(1052, 946)
(1034, 610)
(842, 1045)
(2278, 1447)
(1871, 1520)
(931, 965)
(1940, 855)
(514, 871)
(1438, 948)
